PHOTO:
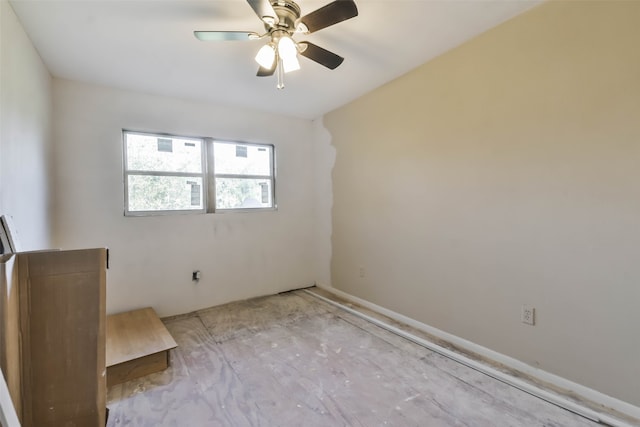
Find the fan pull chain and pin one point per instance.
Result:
(280, 72)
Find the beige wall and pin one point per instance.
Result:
(506, 172)
(25, 133)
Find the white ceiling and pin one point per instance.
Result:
(148, 46)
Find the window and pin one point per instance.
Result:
(243, 175)
(172, 174)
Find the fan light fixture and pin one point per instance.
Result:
(287, 48)
(266, 55)
(286, 53)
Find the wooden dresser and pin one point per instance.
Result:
(52, 336)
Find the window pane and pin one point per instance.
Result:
(239, 159)
(158, 193)
(163, 154)
(243, 193)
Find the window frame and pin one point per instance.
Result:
(207, 175)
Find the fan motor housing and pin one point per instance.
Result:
(288, 13)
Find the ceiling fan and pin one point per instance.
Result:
(282, 20)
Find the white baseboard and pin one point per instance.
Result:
(535, 373)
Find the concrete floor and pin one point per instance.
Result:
(292, 360)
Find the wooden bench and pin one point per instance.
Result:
(138, 344)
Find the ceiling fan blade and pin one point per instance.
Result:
(266, 72)
(264, 10)
(219, 36)
(320, 55)
(330, 14)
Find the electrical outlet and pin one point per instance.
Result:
(528, 315)
(361, 271)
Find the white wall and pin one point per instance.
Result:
(25, 123)
(506, 172)
(240, 255)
